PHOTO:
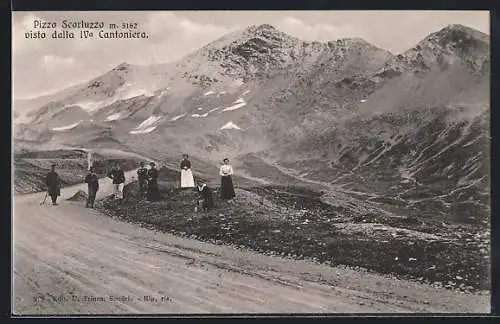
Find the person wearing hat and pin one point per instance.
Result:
(53, 183)
(153, 192)
(118, 177)
(187, 180)
(93, 186)
(142, 177)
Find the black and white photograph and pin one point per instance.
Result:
(250, 162)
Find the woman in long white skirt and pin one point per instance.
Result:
(187, 180)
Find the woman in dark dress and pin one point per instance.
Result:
(227, 188)
(153, 192)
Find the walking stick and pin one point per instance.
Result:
(43, 202)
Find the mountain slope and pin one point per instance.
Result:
(419, 143)
(341, 109)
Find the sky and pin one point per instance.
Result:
(43, 66)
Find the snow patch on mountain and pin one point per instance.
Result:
(90, 106)
(230, 125)
(148, 122)
(122, 94)
(246, 92)
(200, 108)
(208, 93)
(237, 104)
(143, 131)
(178, 117)
(68, 127)
(114, 116)
(472, 142)
(146, 126)
(199, 116)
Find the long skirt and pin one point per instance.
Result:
(227, 189)
(153, 193)
(187, 180)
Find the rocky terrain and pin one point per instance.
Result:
(295, 222)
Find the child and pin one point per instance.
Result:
(206, 196)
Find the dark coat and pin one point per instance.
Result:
(142, 175)
(93, 181)
(153, 193)
(153, 177)
(53, 183)
(117, 175)
(185, 164)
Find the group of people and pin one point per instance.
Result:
(148, 183)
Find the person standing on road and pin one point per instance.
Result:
(227, 189)
(187, 180)
(142, 177)
(118, 177)
(53, 183)
(93, 186)
(153, 191)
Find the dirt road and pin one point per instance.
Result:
(71, 260)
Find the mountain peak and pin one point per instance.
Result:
(266, 31)
(462, 28)
(262, 27)
(458, 34)
(352, 40)
(122, 66)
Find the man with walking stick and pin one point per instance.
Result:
(53, 183)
